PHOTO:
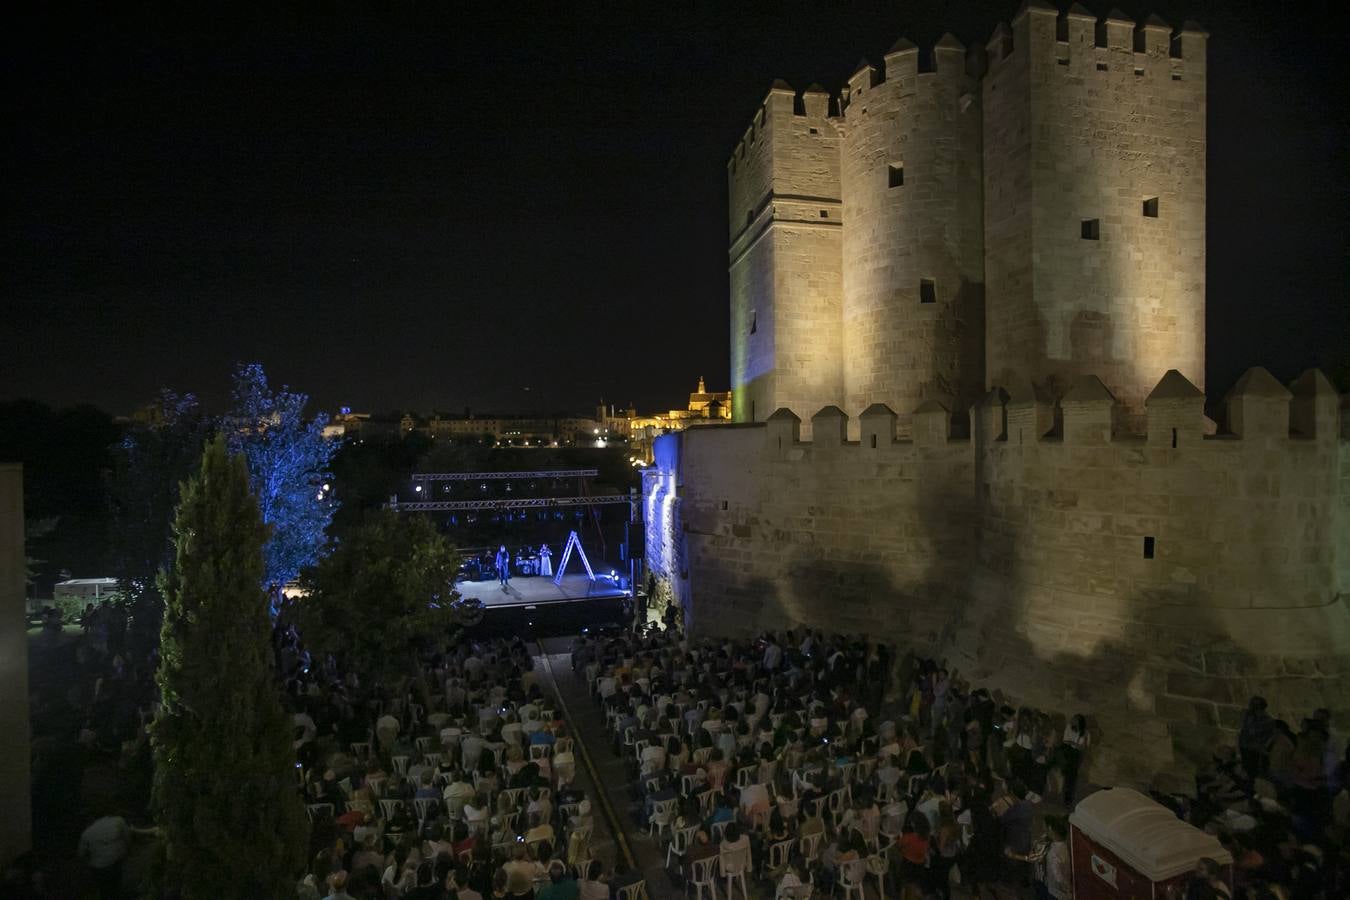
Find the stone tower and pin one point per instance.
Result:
(784, 258)
(1094, 201)
(913, 256)
(953, 225)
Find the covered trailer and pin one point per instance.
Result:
(1125, 845)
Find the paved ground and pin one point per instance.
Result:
(619, 787)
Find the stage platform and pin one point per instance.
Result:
(531, 591)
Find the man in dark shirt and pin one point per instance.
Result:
(1017, 822)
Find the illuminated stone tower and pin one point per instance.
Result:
(1094, 201)
(913, 251)
(786, 345)
(958, 222)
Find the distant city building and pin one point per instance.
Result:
(609, 426)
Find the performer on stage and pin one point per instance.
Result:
(503, 567)
(545, 561)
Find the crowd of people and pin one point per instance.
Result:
(463, 784)
(794, 763)
(780, 759)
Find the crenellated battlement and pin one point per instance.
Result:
(1081, 42)
(1260, 412)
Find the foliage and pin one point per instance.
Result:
(150, 465)
(224, 793)
(380, 592)
(366, 472)
(288, 464)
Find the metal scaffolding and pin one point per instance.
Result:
(504, 476)
(502, 503)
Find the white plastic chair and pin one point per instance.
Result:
(702, 876)
(852, 873)
(680, 838)
(663, 814)
(635, 891)
(424, 807)
(733, 865)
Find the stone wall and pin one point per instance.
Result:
(1022, 559)
(15, 788)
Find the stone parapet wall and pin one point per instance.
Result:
(1019, 555)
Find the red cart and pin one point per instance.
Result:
(1126, 846)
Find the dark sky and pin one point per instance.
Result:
(440, 205)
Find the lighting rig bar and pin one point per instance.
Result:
(513, 503)
(504, 476)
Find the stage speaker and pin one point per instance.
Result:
(635, 541)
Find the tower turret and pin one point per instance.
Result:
(912, 242)
(784, 263)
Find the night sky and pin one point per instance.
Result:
(445, 205)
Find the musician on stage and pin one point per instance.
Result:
(545, 561)
(503, 567)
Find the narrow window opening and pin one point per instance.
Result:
(874, 442)
(815, 131)
(1063, 60)
(1151, 207)
(824, 213)
(1176, 76)
(754, 321)
(1138, 72)
(927, 290)
(724, 504)
(895, 174)
(780, 443)
(1062, 29)
(1092, 229)
(1101, 67)
(1174, 439)
(752, 411)
(1148, 547)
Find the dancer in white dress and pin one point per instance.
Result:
(545, 560)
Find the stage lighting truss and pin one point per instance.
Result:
(504, 476)
(504, 503)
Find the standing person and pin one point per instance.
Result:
(503, 562)
(545, 561)
(1254, 737)
(1076, 741)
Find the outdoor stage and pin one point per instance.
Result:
(532, 590)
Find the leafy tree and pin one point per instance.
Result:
(149, 467)
(382, 593)
(288, 465)
(224, 793)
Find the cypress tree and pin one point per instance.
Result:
(225, 798)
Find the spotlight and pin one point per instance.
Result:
(418, 488)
